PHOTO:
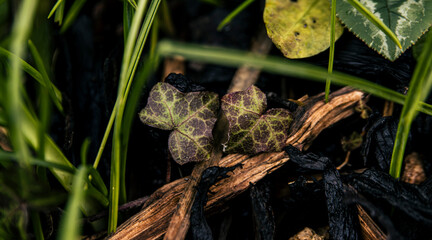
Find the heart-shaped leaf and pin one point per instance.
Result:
(191, 116)
(251, 131)
(408, 19)
(299, 28)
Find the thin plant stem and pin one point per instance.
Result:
(72, 14)
(233, 14)
(332, 48)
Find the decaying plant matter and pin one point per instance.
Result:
(309, 120)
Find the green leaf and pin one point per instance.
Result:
(407, 19)
(191, 116)
(376, 21)
(251, 132)
(299, 28)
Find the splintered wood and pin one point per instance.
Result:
(309, 120)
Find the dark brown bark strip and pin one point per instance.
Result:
(309, 120)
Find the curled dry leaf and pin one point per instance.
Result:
(251, 131)
(191, 116)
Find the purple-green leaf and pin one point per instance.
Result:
(251, 131)
(191, 116)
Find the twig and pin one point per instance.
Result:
(246, 76)
(370, 230)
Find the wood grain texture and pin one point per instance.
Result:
(309, 120)
(369, 229)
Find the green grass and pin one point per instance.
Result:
(418, 90)
(134, 46)
(233, 14)
(70, 226)
(332, 48)
(278, 65)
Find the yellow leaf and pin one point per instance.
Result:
(299, 28)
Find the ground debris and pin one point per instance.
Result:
(379, 142)
(199, 227)
(342, 218)
(413, 202)
(183, 84)
(262, 211)
(307, 234)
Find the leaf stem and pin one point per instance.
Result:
(332, 48)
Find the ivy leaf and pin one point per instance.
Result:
(299, 28)
(408, 19)
(191, 116)
(251, 131)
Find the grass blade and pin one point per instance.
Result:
(233, 14)
(72, 14)
(35, 74)
(132, 3)
(376, 21)
(130, 62)
(420, 86)
(128, 13)
(116, 114)
(57, 99)
(332, 47)
(53, 154)
(20, 32)
(12, 157)
(54, 9)
(278, 65)
(70, 223)
(59, 15)
(37, 226)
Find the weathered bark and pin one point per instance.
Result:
(309, 120)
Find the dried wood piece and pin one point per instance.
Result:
(369, 229)
(307, 234)
(179, 223)
(388, 109)
(413, 171)
(309, 120)
(173, 65)
(246, 76)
